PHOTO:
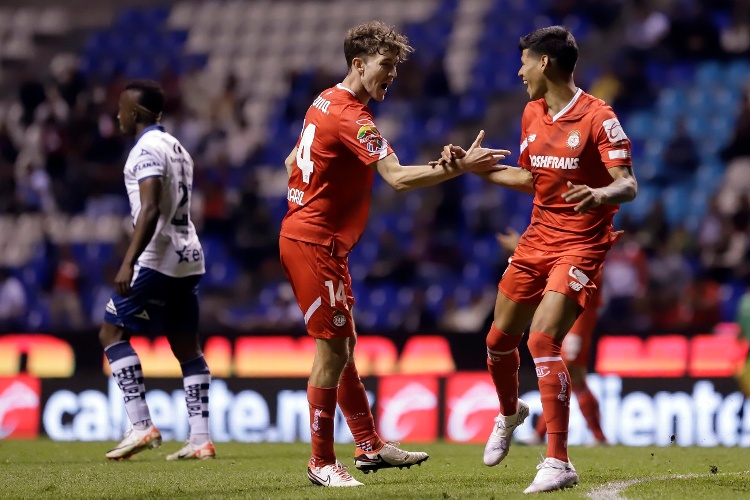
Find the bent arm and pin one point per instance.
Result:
(148, 217)
(407, 177)
(623, 188)
(516, 178)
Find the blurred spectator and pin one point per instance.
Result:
(606, 86)
(704, 301)
(735, 38)
(739, 145)
(470, 317)
(636, 91)
(391, 264)
(624, 284)
(669, 278)
(418, 318)
(12, 302)
(680, 157)
(647, 27)
(66, 311)
(692, 35)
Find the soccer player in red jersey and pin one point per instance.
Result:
(575, 159)
(575, 352)
(331, 171)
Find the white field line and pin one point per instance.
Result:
(612, 490)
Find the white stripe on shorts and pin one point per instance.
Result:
(550, 358)
(314, 307)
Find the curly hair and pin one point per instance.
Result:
(375, 37)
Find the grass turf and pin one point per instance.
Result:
(46, 469)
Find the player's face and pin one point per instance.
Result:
(377, 73)
(532, 72)
(126, 113)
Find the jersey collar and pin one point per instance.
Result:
(569, 105)
(160, 128)
(339, 86)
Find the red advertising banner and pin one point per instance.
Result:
(20, 402)
(471, 405)
(408, 408)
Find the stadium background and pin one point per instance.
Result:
(239, 76)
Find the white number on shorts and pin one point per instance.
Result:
(340, 295)
(303, 152)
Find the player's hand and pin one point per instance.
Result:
(122, 280)
(509, 241)
(476, 159)
(448, 156)
(588, 197)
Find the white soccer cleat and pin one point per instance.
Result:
(386, 457)
(135, 441)
(333, 476)
(553, 475)
(499, 442)
(190, 451)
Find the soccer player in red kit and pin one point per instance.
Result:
(331, 171)
(575, 159)
(575, 353)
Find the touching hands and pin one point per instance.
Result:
(476, 159)
(588, 197)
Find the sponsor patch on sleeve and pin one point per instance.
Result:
(369, 136)
(619, 154)
(614, 130)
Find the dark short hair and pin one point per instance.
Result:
(375, 36)
(555, 42)
(151, 94)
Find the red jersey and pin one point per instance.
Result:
(331, 182)
(578, 145)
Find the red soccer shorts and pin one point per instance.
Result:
(322, 286)
(532, 273)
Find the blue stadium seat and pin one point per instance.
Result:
(709, 74)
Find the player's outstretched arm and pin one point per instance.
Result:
(404, 178)
(289, 162)
(516, 178)
(145, 226)
(623, 188)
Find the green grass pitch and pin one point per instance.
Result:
(45, 469)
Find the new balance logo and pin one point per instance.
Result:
(111, 309)
(575, 286)
(143, 315)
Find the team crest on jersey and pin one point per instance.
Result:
(367, 131)
(339, 319)
(574, 139)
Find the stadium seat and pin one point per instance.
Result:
(277, 356)
(716, 356)
(629, 356)
(218, 354)
(426, 354)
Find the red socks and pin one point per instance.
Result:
(554, 387)
(503, 361)
(352, 400)
(590, 409)
(322, 412)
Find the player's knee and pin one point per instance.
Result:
(109, 334)
(543, 345)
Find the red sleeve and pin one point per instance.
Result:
(614, 145)
(358, 133)
(523, 158)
